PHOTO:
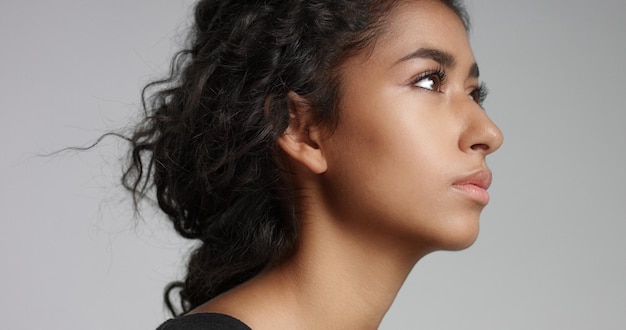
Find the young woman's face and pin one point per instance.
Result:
(408, 155)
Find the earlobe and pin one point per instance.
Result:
(301, 139)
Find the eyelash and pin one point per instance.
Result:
(440, 73)
(479, 94)
(482, 92)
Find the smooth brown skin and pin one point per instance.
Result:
(377, 194)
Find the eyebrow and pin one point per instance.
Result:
(442, 57)
(474, 72)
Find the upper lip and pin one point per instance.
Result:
(480, 178)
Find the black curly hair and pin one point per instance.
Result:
(207, 143)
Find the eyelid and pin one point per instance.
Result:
(439, 72)
(483, 92)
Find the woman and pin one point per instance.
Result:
(317, 150)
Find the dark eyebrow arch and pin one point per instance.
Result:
(442, 57)
(474, 72)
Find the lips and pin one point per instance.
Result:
(475, 186)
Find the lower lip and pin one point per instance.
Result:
(476, 193)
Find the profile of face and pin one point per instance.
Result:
(406, 161)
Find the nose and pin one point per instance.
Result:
(480, 134)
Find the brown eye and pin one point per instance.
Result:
(431, 82)
(479, 94)
(475, 95)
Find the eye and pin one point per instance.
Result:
(479, 94)
(431, 80)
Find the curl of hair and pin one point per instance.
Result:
(207, 144)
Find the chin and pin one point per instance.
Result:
(459, 237)
(462, 244)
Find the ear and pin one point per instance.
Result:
(300, 141)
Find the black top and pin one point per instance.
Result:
(204, 321)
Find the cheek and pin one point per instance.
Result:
(387, 157)
(390, 168)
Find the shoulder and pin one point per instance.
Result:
(204, 321)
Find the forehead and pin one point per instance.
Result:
(423, 24)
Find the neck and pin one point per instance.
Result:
(341, 276)
(344, 278)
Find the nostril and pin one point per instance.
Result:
(480, 146)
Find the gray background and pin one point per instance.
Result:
(552, 249)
